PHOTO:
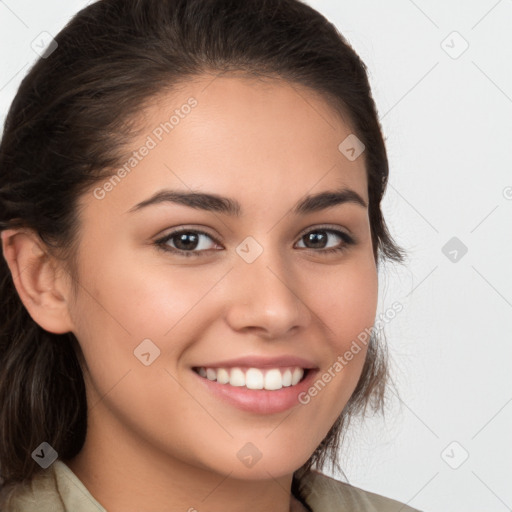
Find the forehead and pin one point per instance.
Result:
(265, 108)
(239, 136)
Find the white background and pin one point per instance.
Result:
(448, 128)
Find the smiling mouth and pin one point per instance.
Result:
(270, 379)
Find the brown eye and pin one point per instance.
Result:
(185, 242)
(319, 238)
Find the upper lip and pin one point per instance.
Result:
(261, 362)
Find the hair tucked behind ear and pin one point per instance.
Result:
(71, 122)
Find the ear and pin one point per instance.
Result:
(41, 284)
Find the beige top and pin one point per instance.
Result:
(58, 489)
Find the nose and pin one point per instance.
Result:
(266, 298)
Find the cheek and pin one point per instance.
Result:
(125, 301)
(346, 301)
(138, 299)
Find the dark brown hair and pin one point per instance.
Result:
(68, 126)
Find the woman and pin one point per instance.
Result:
(191, 230)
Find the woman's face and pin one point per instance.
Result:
(253, 288)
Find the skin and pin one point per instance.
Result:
(156, 440)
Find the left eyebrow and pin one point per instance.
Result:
(327, 199)
(229, 206)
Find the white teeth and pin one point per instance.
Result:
(287, 378)
(254, 378)
(274, 379)
(222, 376)
(237, 377)
(297, 375)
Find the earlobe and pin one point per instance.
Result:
(37, 279)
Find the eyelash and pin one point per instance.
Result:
(161, 243)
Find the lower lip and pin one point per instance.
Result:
(260, 401)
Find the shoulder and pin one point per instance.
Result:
(39, 494)
(55, 489)
(325, 494)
